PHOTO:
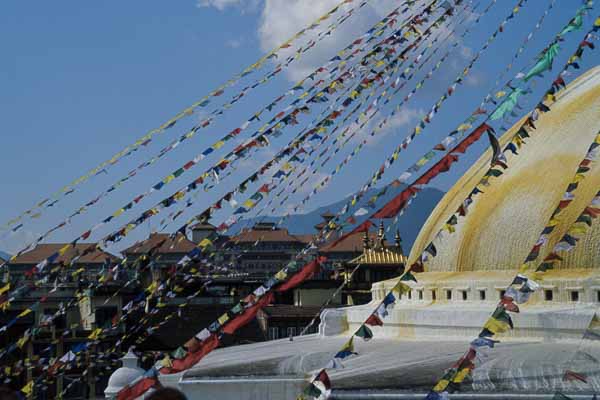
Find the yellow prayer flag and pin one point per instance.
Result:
(579, 178)
(21, 342)
(401, 288)
(553, 222)
(461, 375)
(179, 195)
(168, 179)
(24, 313)
(223, 318)
(495, 326)
(280, 276)
(166, 362)
(441, 386)
(218, 145)
(28, 388)
(206, 242)
(463, 127)
(5, 289)
(64, 249)
(95, 333)
(578, 230)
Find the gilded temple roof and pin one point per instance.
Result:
(377, 252)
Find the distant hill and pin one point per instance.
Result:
(409, 224)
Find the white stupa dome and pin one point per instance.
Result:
(124, 375)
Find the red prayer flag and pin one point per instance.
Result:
(137, 389)
(394, 206)
(324, 379)
(192, 358)
(248, 315)
(374, 320)
(305, 273)
(574, 376)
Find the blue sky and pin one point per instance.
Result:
(82, 80)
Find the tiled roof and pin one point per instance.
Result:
(305, 238)
(204, 226)
(179, 244)
(320, 225)
(43, 251)
(328, 215)
(276, 235)
(353, 243)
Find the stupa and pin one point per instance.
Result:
(425, 334)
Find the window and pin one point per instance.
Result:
(273, 333)
(448, 294)
(291, 331)
(464, 295)
(420, 294)
(482, 295)
(548, 295)
(433, 295)
(410, 294)
(598, 296)
(575, 295)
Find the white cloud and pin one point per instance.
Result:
(243, 5)
(405, 118)
(280, 19)
(234, 43)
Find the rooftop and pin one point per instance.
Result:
(178, 244)
(269, 235)
(203, 226)
(353, 243)
(43, 251)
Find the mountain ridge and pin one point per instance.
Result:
(409, 224)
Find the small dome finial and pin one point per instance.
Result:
(366, 244)
(381, 237)
(398, 241)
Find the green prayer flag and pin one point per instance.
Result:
(507, 105)
(364, 332)
(544, 63)
(312, 390)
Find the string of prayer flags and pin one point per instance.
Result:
(380, 127)
(459, 79)
(173, 199)
(374, 319)
(394, 206)
(347, 350)
(178, 196)
(180, 170)
(519, 290)
(208, 340)
(569, 239)
(327, 150)
(500, 321)
(147, 138)
(516, 141)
